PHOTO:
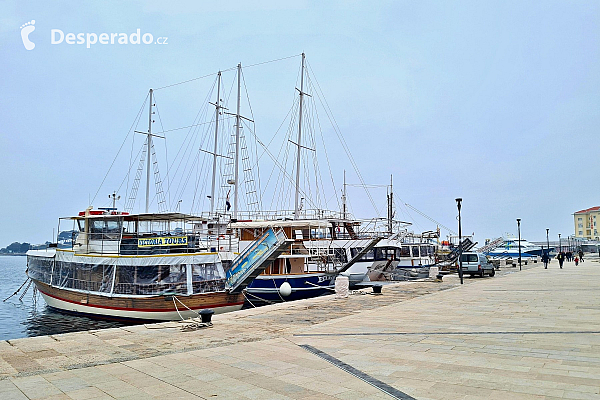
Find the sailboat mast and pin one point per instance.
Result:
(296, 210)
(214, 169)
(390, 206)
(344, 197)
(149, 142)
(237, 143)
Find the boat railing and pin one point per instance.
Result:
(128, 244)
(216, 243)
(87, 285)
(298, 249)
(273, 215)
(157, 288)
(306, 214)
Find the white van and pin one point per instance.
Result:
(476, 264)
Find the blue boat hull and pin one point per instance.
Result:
(265, 288)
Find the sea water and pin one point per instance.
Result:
(29, 315)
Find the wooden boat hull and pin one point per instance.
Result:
(154, 308)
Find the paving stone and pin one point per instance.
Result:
(529, 339)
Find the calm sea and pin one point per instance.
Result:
(30, 316)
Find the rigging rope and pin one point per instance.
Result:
(336, 128)
(166, 150)
(225, 70)
(189, 80)
(120, 148)
(188, 145)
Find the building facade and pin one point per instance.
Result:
(586, 223)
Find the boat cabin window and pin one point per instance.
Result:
(317, 234)
(403, 251)
(207, 277)
(385, 253)
(370, 256)
(81, 225)
(105, 228)
(40, 268)
(88, 277)
(427, 251)
(151, 279)
(415, 251)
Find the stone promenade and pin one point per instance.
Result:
(531, 334)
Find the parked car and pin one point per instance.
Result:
(476, 264)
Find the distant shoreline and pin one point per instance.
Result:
(13, 254)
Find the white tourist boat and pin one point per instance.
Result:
(508, 247)
(147, 266)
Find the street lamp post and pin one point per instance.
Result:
(519, 228)
(547, 242)
(559, 244)
(460, 272)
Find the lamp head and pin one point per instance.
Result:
(458, 201)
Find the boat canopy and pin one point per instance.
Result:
(143, 217)
(302, 223)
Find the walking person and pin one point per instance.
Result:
(576, 261)
(561, 259)
(545, 260)
(581, 255)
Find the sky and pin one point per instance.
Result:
(495, 102)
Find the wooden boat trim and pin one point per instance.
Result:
(162, 303)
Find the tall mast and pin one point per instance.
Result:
(390, 206)
(296, 210)
(149, 142)
(217, 107)
(237, 143)
(344, 197)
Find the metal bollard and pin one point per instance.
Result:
(206, 315)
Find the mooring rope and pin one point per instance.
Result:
(319, 286)
(17, 290)
(195, 312)
(246, 297)
(177, 309)
(25, 291)
(261, 299)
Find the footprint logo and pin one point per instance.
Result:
(26, 29)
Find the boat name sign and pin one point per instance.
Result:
(163, 241)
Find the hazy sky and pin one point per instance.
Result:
(492, 101)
